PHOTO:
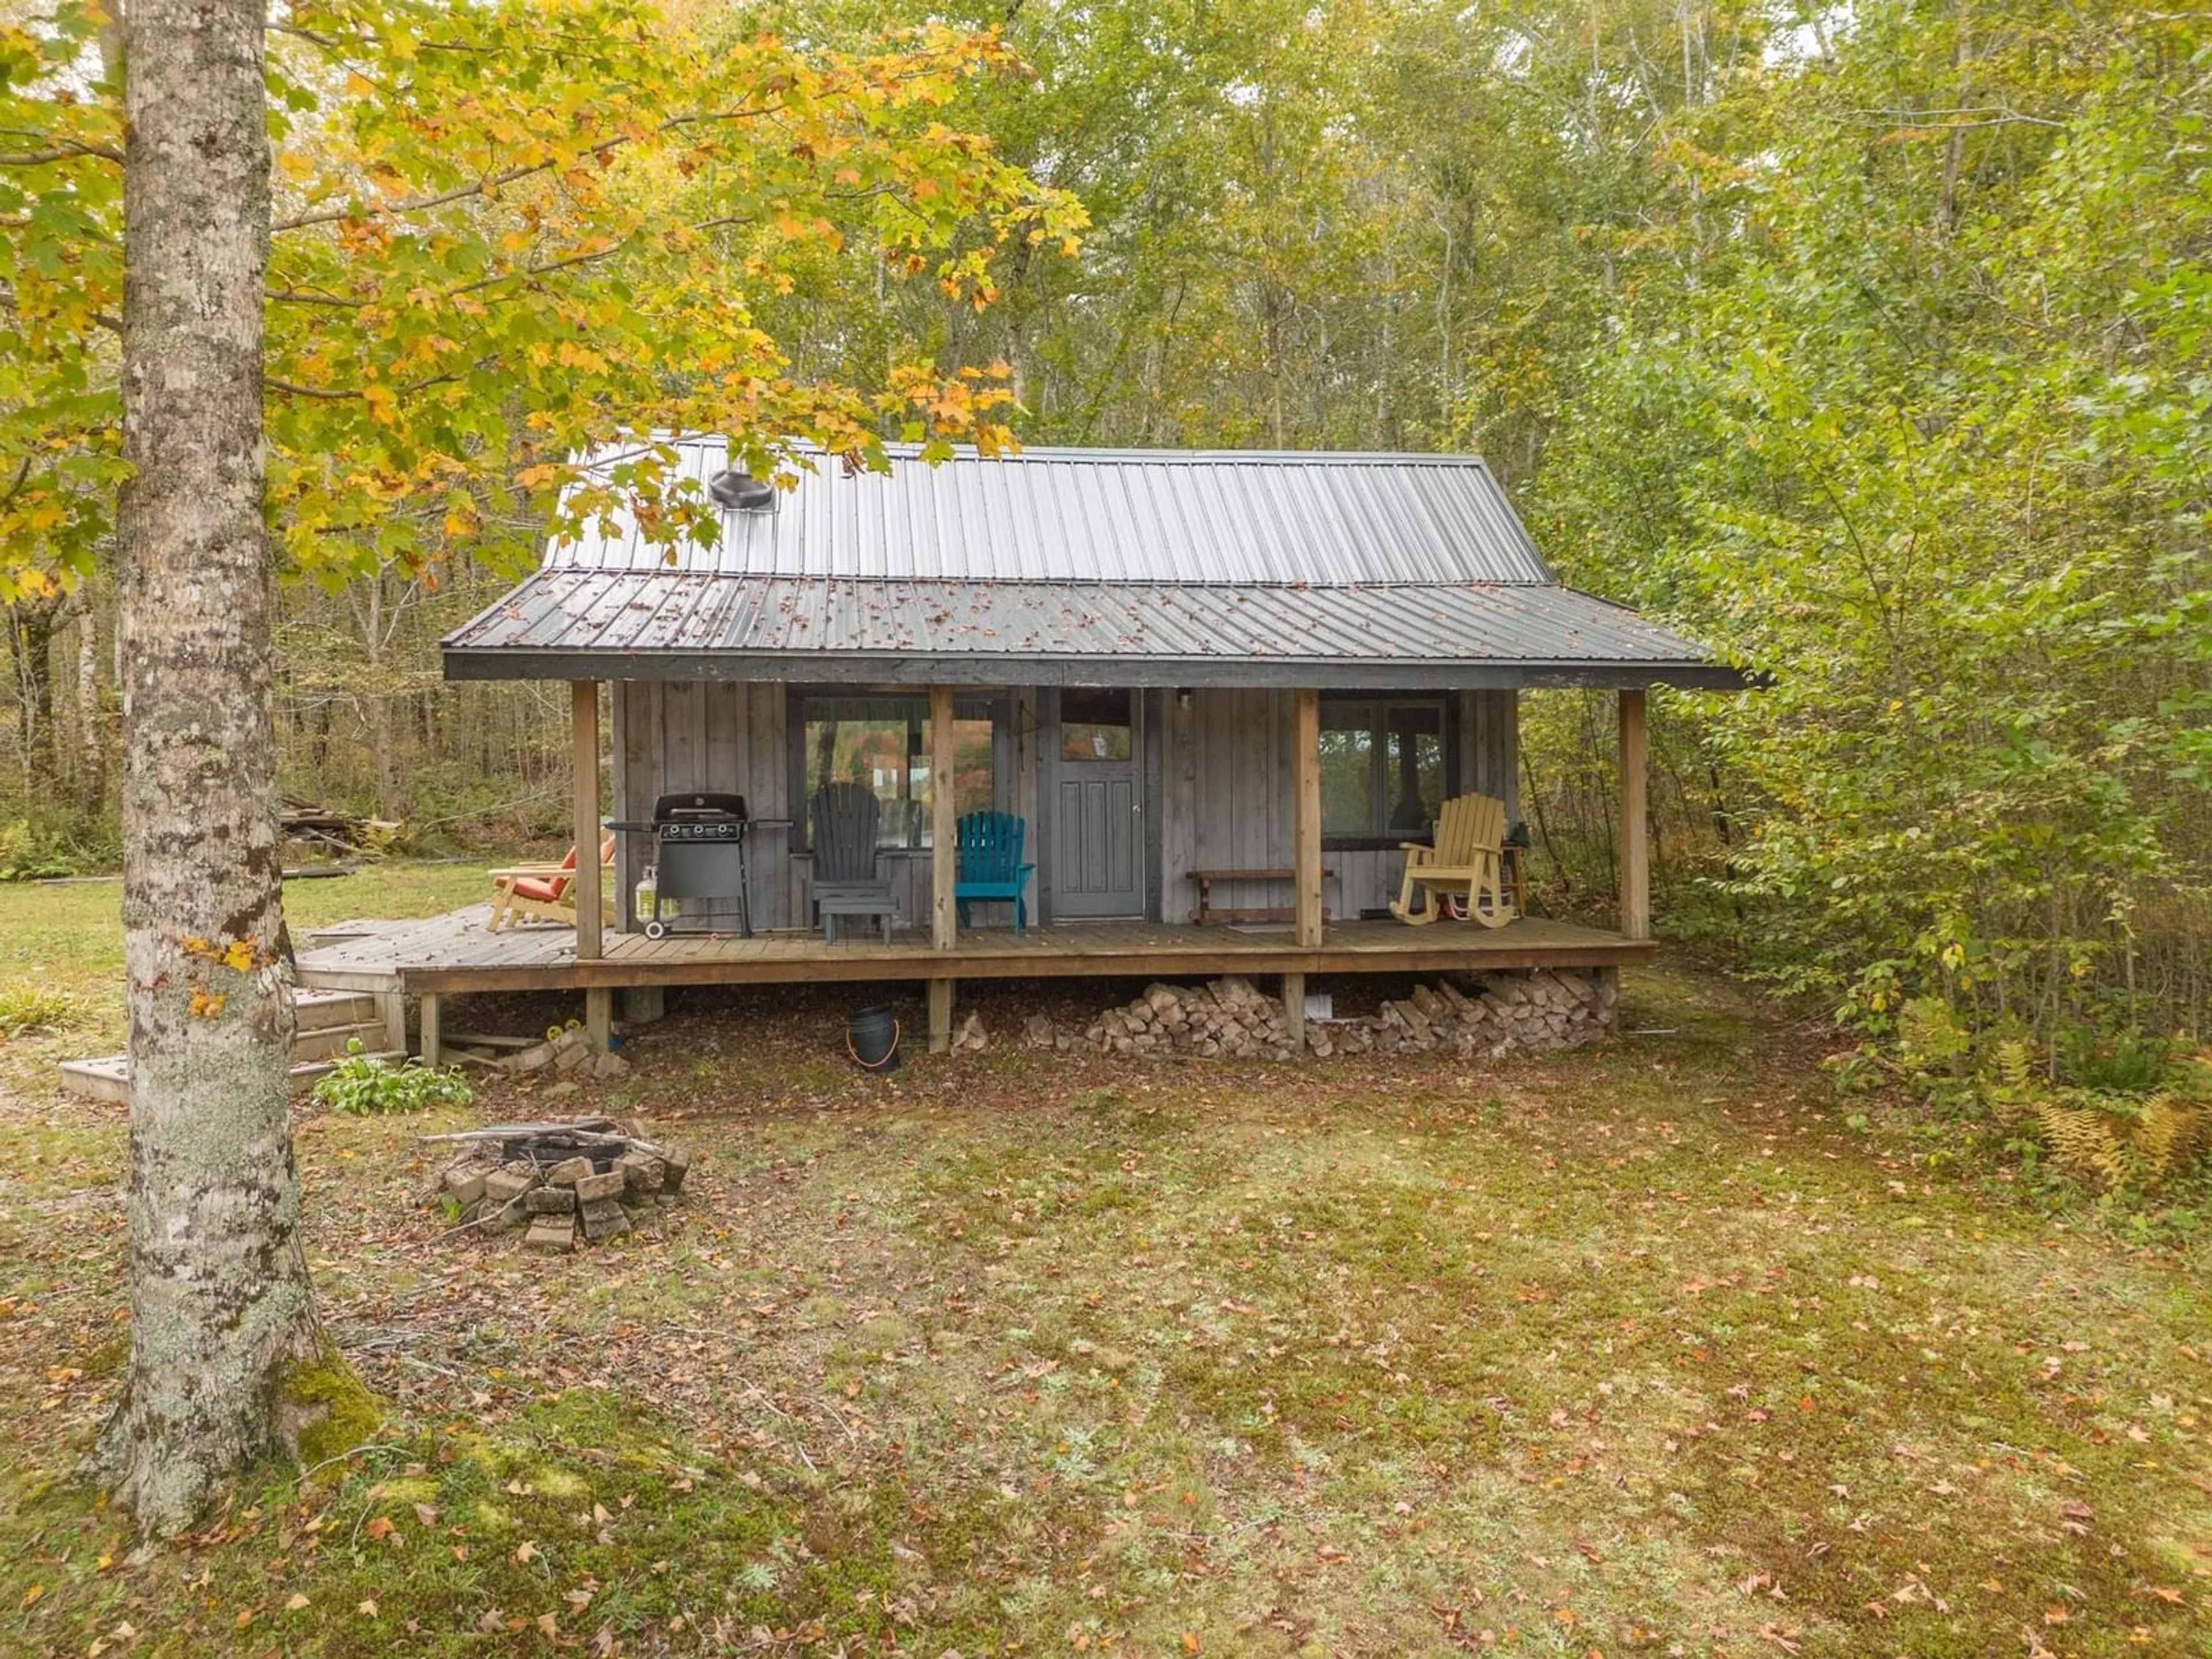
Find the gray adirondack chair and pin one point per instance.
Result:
(846, 878)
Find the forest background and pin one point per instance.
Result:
(1870, 342)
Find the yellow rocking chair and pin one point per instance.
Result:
(1466, 866)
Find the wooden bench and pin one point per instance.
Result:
(1205, 911)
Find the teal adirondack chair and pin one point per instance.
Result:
(991, 867)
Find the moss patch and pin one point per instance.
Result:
(327, 1410)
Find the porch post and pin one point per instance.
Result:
(1635, 856)
(944, 821)
(584, 722)
(1305, 776)
(944, 862)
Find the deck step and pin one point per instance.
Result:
(328, 1042)
(316, 1010)
(108, 1077)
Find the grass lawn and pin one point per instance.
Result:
(1636, 1350)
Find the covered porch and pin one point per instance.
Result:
(456, 954)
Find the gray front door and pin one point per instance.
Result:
(1097, 853)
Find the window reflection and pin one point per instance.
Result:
(882, 744)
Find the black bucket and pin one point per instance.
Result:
(871, 1037)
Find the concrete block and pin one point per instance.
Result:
(464, 1186)
(552, 1235)
(591, 1188)
(504, 1185)
(604, 1220)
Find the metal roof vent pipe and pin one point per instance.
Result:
(741, 492)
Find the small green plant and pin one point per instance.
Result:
(368, 1086)
(27, 1010)
(2120, 1063)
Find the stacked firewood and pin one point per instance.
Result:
(567, 1048)
(558, 1182)
(1495, 1014)
(1229, 1016)
(1540, 1010)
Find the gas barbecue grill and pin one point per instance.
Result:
(699, 848)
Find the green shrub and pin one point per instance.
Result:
(39, 849)
(369, 1087)
(26, 1010)
(2122, 1062)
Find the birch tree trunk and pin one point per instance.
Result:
(91, 749)
(221, 1303)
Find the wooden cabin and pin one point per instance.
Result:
(1236, 681)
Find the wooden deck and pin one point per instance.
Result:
(455, 953)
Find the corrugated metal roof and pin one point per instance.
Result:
(620, 624)
(1202, 516)
(1099, 566)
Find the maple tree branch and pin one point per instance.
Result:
(340, 394)
(300, 296)
(598, 152)
(67, 150)
(512, 175)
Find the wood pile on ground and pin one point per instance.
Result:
(565, 1049)
(1494, 1014)
(1228, 1016)
(557, 1182)
(327, 826)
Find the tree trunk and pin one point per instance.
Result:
(31, 642)
(91, 780)
(220, 1304)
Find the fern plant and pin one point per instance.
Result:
(2137, 1141)
(368, 1086)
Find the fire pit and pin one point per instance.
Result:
(558, 1179)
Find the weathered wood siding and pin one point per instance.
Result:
(1224, 797)
(1490, 747)
(725, 734)
(1219, 776)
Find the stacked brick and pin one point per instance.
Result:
(559, 1184)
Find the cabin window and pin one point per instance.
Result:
(1383, 771)
(1095, 725)
(883, 743)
